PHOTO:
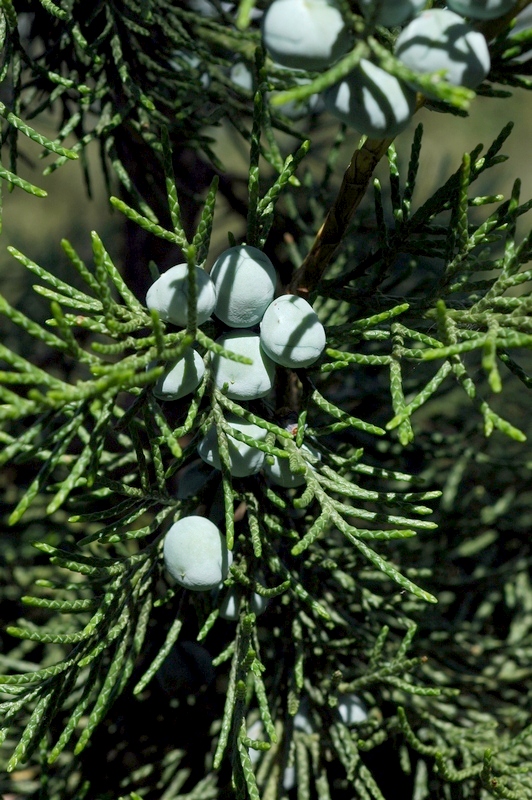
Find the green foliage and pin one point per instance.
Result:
(428, 627)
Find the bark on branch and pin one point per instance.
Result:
(330, 235)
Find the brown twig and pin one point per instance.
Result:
(330, 235)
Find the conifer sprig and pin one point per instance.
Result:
(471, 315)
(346, 562)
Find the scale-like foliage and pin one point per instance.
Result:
(346, 593)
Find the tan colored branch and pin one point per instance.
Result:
(330, 235)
